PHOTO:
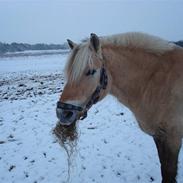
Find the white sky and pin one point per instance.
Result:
(53, 21)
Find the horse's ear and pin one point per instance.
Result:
(95, 42)
(71, 44)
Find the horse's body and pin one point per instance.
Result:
(145, 74)
(150, 85)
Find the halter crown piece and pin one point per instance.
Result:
(93, 99)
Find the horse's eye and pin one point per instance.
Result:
(91, 72)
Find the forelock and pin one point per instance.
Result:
(79, 59)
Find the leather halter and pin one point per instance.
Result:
(93, 99)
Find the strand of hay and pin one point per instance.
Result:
(67, 137)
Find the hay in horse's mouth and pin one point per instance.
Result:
(67, 137)
(66, 133)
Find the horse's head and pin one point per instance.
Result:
(88, 81)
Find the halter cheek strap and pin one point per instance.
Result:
(103, 78)
(93, 99)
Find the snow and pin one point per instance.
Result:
(31, 53)
(52, 63)
(111, 147)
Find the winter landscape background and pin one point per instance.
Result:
(111, 148)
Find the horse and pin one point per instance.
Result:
(144, 73)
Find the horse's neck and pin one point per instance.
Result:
(130, 71)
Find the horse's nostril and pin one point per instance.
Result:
(67, 114)
(66, 117)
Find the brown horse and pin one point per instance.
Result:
(143, 72)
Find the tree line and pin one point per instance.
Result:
(180, 43)
(15, 47)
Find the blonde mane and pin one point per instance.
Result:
(144, 41)
(80, 57)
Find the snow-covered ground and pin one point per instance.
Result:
(111, 148)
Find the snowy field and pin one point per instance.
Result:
(111, 148)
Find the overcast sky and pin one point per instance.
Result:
(53, 21)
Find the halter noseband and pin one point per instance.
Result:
(93, 99)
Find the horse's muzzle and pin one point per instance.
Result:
(66, 117)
